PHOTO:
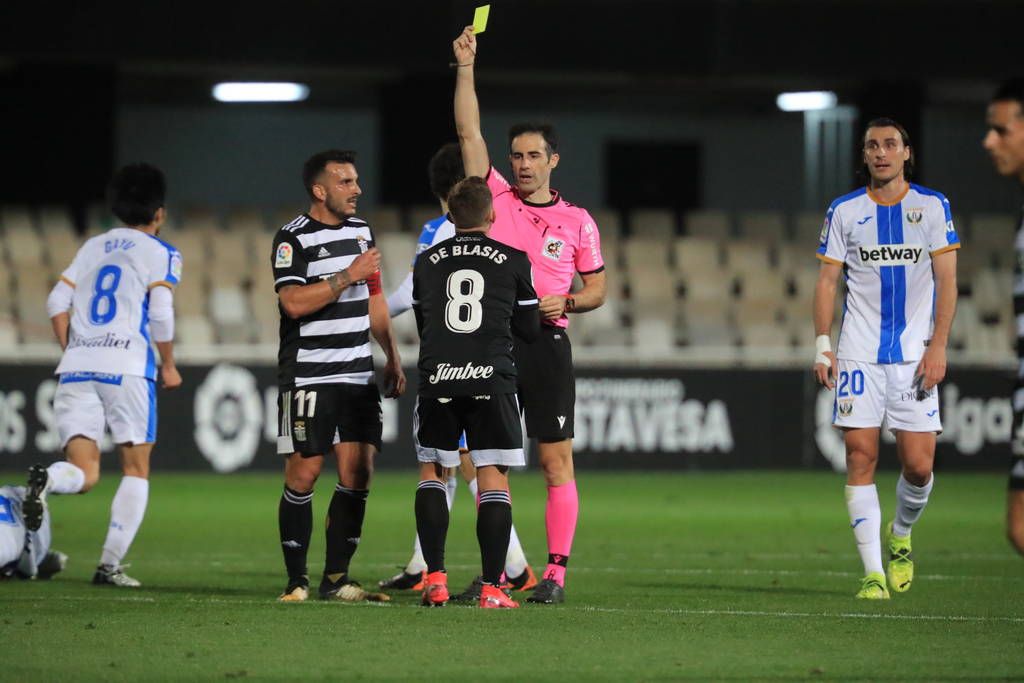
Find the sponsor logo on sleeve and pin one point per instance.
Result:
(283, 259)
(176, 265)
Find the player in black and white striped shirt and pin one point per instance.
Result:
(327, 277)
(1005, 144)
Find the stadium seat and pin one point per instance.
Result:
(966, 319)
(761, 337)
(396, 252)
(200, 218)
(714, 288)
(8, 331)
(601, 326)
(609, 222)
(711, 223)
(762, 287)
(230, 314)
(708, 323)
(245, 219)
(653, 223)
(792, 256)
(807, 228)
(746, 256)
(697, 256)
(992, 291)
(645, 253)
(765, 226)
(653, 335)
(992, 230)
(193, 330)
(231, 257)
(61, 246)
(24, 246)
(17, 218)
(55, 219)
(653, 290)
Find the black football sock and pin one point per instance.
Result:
(295, 523)
(493, 526)
(344, 527)
(432, 522)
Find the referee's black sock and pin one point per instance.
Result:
(295, 522)
(344, 527)
(493, 526)
(432, 522)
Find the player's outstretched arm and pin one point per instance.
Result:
(933, 364)
(467, 109)
(824, 307)
(301, 300)
(400, 300)
(380, 328)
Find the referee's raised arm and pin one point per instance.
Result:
(467, 109)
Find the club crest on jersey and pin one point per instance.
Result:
(283, 258)
(553, 248)
(915, 215)
(363, 244)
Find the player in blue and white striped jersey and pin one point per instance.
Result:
(896, 244)
(112, 303)
(444, 171)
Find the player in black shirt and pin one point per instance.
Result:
(469, 293)
(326, 273)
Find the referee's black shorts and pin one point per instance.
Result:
(547, 384)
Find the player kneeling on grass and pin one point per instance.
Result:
(119, 288)
(25, 529)
(469, 292)
(896, 243)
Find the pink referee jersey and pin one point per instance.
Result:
(560, 238)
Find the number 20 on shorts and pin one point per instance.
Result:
(850, 383)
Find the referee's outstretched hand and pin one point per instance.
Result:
(464, 47)
(365, 265)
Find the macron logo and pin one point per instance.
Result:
(891, 254)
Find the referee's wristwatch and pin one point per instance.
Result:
(570, 304)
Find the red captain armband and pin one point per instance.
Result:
(373, 283)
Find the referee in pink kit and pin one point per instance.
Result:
(561, 239)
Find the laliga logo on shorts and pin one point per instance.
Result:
(915, 216)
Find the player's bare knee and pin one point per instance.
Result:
(917, 474)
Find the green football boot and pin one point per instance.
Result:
(900, 568)
(873, 588)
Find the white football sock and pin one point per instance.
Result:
(417, 564)
(453, 483)
(910, 502)
(515, 558)
(866, 522)
(126, 513)
(474, 490)
(65, 478)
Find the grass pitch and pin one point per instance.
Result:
(738, 576)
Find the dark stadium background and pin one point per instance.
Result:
(667, 105)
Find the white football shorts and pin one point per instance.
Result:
(86, 402)
(869, 393)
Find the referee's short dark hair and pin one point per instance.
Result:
(445, 169)
(545, 130)
(316, 164)
(136, 192)
(1011, 91)
(469, 203)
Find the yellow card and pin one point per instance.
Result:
(480, 19)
